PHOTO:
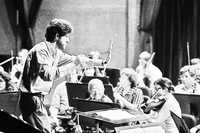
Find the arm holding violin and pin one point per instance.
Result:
(160, 115)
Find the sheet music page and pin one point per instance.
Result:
(135, 130)
(117, 114)
(154, 129)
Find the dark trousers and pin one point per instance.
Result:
(34, 112)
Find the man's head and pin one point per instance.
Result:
(58, 31)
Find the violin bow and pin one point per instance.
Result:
(188, 52)
(4, 62)
(109, 56)
(149, 61)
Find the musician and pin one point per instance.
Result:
(187, 84)
(41, 68)
(164, 87)
(195, 69)
(147, 71)
(127, 93)
(195, 61)
(17, 68)
(96, 91)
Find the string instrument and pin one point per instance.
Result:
(155, 103)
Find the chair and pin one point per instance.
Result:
(180, 123)
(190, 120)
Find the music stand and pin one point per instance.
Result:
(84, 105)
(78, 90)
(114, 117)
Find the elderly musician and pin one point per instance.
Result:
(96, 91)
(41, 68)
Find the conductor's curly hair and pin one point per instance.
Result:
(57, 26)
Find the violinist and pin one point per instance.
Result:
(127, 94)
(164, 87)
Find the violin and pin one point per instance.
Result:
(155, 103)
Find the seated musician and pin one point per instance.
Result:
(96, 91)
(127, 94)
(187, 84)
(195, 69)
(162, 115)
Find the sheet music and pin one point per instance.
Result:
(154, 129)
(117, 114)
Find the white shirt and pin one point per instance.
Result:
(163, 115)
